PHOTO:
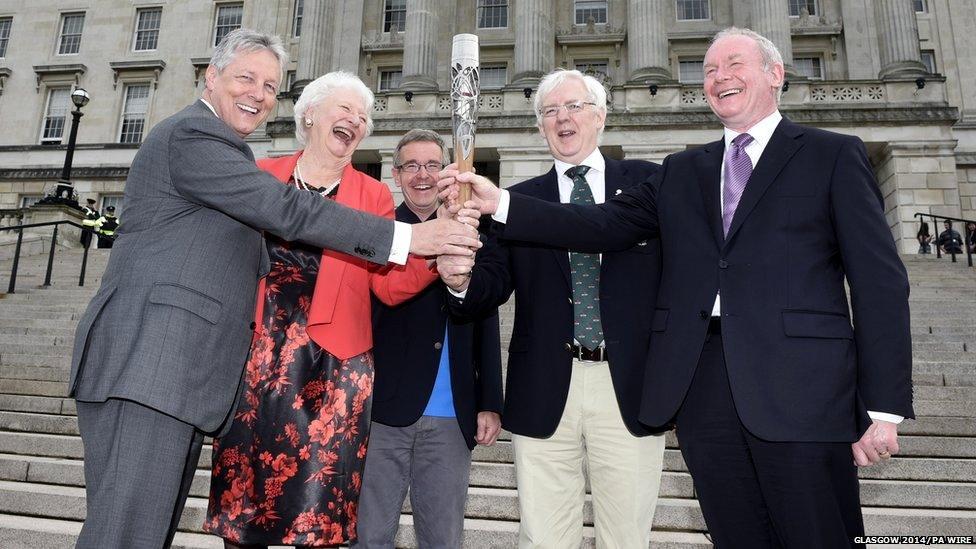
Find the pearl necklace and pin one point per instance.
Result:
(301, 184)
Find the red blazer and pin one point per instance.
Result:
(340, 322)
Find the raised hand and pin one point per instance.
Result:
(455, 271)
(484, 193)
(444, 236)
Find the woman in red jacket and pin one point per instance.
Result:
(290, 469)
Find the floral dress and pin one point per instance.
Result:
(289, 470)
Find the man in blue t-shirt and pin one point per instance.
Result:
(437, 390)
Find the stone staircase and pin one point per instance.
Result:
(930, 488)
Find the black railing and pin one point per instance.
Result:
(50, 256)
(967, 235)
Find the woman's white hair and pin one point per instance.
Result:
(321, 88)
(595, 90)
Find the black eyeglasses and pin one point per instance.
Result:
(549, 111)
(413, 167)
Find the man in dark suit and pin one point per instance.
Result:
(753, 354)
(576, 358)
(438, 388)
(160, 351)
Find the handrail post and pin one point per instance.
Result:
(50, 257)
(13, 271)
(84, 264)
(935, 229)
(969, 251)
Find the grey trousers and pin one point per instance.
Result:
(432, 459)
(139, 464)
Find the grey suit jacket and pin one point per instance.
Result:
(170, 326)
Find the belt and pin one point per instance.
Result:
(715, 325)
(582, 353)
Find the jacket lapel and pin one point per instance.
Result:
(781, 147)
(334, 263)
(547, 188)
(709, 167)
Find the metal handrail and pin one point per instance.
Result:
(965, 230)
(50, 256)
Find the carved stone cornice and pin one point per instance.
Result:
(117, 172)
(154, 66)
(48, 71)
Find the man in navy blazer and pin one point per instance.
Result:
(571, 396)
(753, 354)
(438, 387)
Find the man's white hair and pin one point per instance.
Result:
(321, 88)
(770, 53)
(247, 41)
(596, 93)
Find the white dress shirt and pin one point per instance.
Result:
(402, 232)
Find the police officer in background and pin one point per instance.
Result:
(106, 227)
(91, 217)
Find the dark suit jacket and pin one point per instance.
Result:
(407, 349)
(810, 217)
(540, 363)
(170, 325)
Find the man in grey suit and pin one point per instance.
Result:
(160, 351)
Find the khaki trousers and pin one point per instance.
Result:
(624, 471)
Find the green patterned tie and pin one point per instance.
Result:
(585, 274)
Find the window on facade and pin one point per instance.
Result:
(493, 76)
(394, 15)
(112, 200)
(810, 67)
(921, 6)
(690, 10)
(390, 79)
(296, 23)
(928, 59)
(598, 69)
(589, 9)
(5, 23)
(55, 115)
(134, 113)
(28, 200)
(71, 26)
(797, 7)
(290, 77)
(147, 28)
(492, 14)
(229, 18)
(691, 71)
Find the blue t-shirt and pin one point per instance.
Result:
(441, 402)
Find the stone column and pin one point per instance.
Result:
(315, 44)
(386, 174)
(898, 38)
(647, 41)
(420, 46)
(534, 41)
(772, 20)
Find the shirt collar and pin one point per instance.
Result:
(594, 161)
(761, 132)
(209, 106)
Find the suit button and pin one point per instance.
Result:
(703, 314)
(438, 345)
(253, 325)
(569, 347)
(723, 264)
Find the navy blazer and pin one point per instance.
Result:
(540, 362)
(407, 349)
(810, 217)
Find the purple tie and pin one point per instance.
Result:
(738, 168)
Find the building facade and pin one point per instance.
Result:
(889, 71)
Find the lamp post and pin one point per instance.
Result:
(64, 194)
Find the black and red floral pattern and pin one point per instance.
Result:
(290, 469)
